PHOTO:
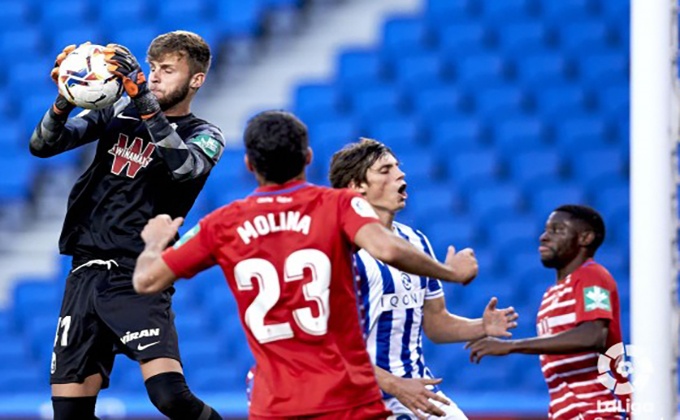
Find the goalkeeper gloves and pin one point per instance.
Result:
(61, 105)
(123, 64)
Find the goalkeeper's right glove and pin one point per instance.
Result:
(61, 105)
(123, 64)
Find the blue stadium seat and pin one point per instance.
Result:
(425, 201)
(500, 101)
(551, 195)
(239, 18)
(401, 134)
(223, 377)
(433, 101)
(13, 136)
(18, 186)
(469, 169)
(202, 352)
(613, 204)
(458, 38)
(53, 13)
(616, 11)
(614, 101)
(117, 16)
(598, 69)
(415, 70)
(442, 11)
(578, 133)
(463, 134)
(595, 166)
(557, 101)
(23, 379)
(578, 36)
(15, 14)
(542, 68)
(613, 257)
(509, 10)
(137, 39)
(312, 99)
(481, 69)
(567, 11)
(491, 201)
(520, 134)
(404, 33)
(358, 68)
(23, 42)
(377, 100)
(78, 35)
(459, 232)
(519, 38)
(534, 167)
(507, 235)
(421, 166)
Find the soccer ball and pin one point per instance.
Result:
(85, 81)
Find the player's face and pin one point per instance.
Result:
(385, 187)
(559, 243)
(170, 80)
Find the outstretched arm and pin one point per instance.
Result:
(387, 247)
(587, 336)
(441, 326)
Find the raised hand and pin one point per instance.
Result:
(497, 322)
(161, 230)
(123, 64)
(464, 264)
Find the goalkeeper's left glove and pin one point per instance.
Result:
(123, 64)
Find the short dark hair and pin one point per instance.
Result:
(185, 44)
(352, 162)
(276, 145)
(591, 218)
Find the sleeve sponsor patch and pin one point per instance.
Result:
(210, 146)
(187, 236)
(596, 297)
(363, 208)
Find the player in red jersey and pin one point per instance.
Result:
(578, 320)
(286, 251)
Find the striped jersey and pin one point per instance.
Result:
(392, 308)
(587, 294)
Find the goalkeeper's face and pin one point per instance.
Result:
(170, 80)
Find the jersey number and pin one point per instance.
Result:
(267, 279)
(64, 324)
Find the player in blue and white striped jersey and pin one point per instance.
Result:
(397, 306)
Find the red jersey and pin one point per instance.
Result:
(587, 294)
(286, 253)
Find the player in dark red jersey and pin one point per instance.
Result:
(153, 156)
(286, 252)
(578, 320)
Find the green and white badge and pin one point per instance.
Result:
(596, 298)
(209, 145)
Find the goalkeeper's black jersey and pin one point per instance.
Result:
(133, 176)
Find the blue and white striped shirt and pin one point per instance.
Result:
(392, 305)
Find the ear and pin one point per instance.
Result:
(309, 157)
(248, 164)
(360, 188)
(197, 80)
(586, 238)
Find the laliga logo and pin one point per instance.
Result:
(619, 381)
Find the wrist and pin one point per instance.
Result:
(62, 107)
(146, 103)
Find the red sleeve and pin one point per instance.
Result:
(594, 292)
(354, 212)
(193, 252)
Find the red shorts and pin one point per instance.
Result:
(375, 410)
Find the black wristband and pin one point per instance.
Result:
(146, 104)
(62, 107)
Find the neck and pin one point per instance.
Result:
(386, 217)
(180, 109)
(265, 183)
(571, 266)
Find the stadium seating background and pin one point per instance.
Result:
(499, 110)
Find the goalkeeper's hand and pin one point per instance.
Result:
(123, 64)
(61, 105)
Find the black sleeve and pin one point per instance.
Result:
(190, 159)
(56, 133)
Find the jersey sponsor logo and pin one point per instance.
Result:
(363, 208)
(188, 235)
(270, 223)
(130, 155)
(141, 347)
(209, 145)
(406, 300)
(132, 336)
(596, 298)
